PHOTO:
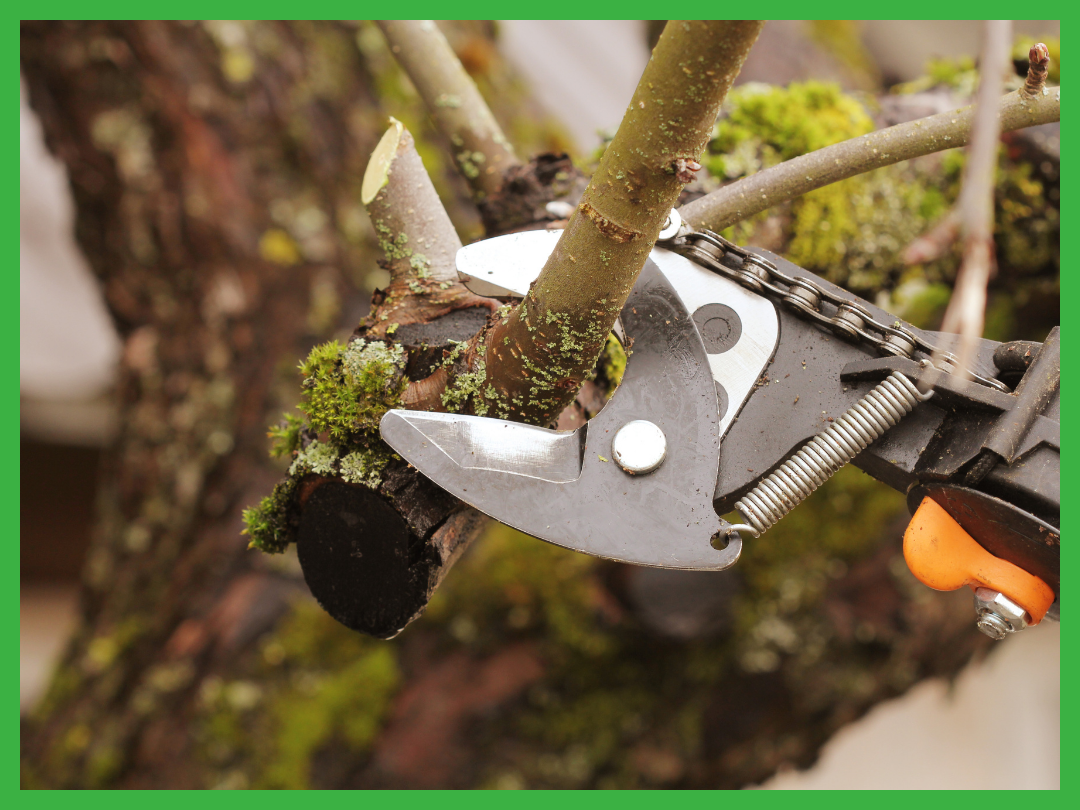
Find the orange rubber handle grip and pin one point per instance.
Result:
(945, 557)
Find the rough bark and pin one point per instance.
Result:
(216, 170)
(742, 199)
(172, 161)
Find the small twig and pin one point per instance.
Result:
(418, 239)
(481, 152)
(742, 199)
(1038, 66)
(975, 209)
(935, 243)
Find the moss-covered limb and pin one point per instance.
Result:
(967, 307)
(537, 357)
(740, 200)
(481, 152)
(417, 238)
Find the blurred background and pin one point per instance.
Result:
(559, 86)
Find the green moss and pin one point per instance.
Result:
(285, 436)
(346, 390)
(613, 363)
(957, 74)
(365, 466)
(782, 123)
(853, 232)
(267, 524)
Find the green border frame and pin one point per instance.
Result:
(9, 472)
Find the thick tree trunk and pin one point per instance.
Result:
(217, 173)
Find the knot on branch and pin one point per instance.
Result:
(685, 169)
(1038, 65)
(609, 228)
(527, 188)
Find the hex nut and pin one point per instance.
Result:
(990, 603)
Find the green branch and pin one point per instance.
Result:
(742, 199)
(537, 357)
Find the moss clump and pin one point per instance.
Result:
(853, 232)
(364, 467)
(268, 523)
(782, 123)
(612, 364)
(285, 436)
(347, 389)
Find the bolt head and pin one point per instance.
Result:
(991, 625)
(639, 447)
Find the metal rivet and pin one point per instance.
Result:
(639, 447)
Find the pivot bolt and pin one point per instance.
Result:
(639, 447)
(671, 226)
(998, 614)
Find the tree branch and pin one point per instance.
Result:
(967, 307)
(417, 238)
(413, 532)
(481, 151)
(536, 358)
(786, 181)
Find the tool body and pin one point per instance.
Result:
(754, 379)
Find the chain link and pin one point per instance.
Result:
(805, 297)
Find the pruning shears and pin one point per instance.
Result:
(749, 382)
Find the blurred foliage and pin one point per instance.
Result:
(312, 684)
(854, 231)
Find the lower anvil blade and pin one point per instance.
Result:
(494, 445)
(565, 487)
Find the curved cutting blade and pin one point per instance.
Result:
(518, 474)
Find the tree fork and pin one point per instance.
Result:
(509, 193)
(537, 357)
(480, 149)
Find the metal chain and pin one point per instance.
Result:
(808, 299)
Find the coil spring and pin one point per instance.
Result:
(793, 481)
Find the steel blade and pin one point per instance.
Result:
(664, 518)
(480, 443)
